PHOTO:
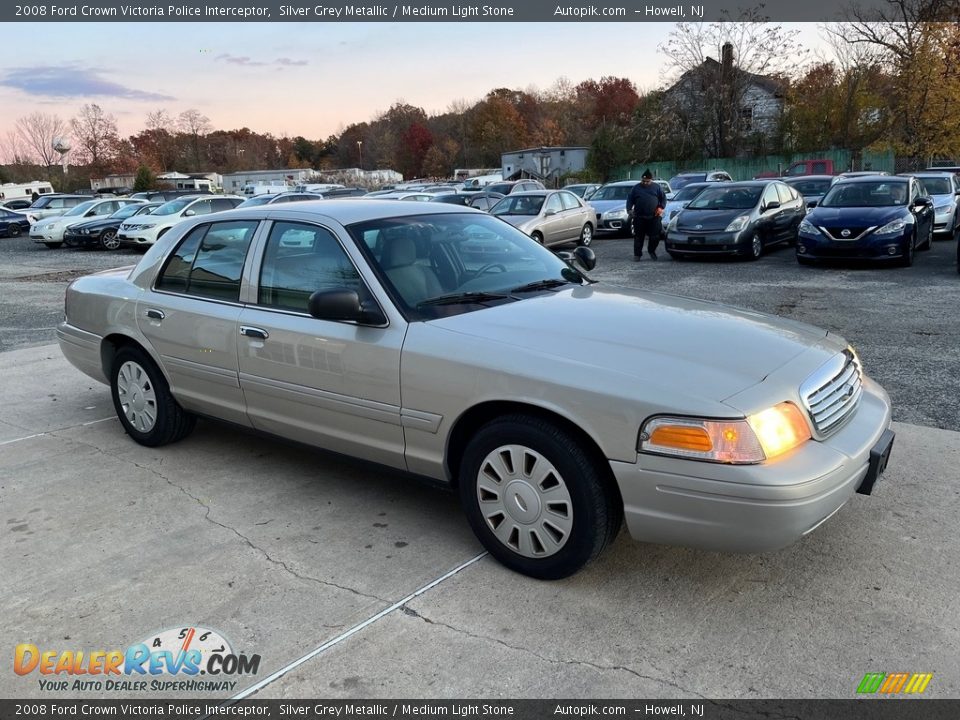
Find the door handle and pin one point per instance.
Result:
(155, 314)
(254, 332)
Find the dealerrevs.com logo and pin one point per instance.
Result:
(170, 660)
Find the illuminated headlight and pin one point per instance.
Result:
(891, 228)
(760, 437)
(807, 227)
(738, 224)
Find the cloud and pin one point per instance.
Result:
(246, 61)
(69, 81)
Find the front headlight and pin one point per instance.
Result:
(891, 228)
(944, 206)
(672, 225)
(807, 227)
(760, 437)
(738, 224)
(83, 231)
(615, 214)
(143, 227)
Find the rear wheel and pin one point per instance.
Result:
(535, 497)
(13, 230)
(146, 408)
(538, 237)
(586, 235)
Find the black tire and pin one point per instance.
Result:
(928, 245)
(755, 248)
(590, 506)
(171, 422)
(907, 259)
(537, 237)
(627, 228)
(109, 241)
(586, 235)
(53, 245)
(13, 230)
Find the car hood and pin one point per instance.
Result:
(699, 348)
(868, 216)
(98, 224)
(602, 206)
(709, 219)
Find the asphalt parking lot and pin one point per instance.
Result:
(377, 580)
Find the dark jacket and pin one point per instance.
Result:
(644, 201)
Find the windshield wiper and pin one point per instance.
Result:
(467, 297)
(541, 285)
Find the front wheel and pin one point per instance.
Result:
(756, 248)
(928, 245)
(586, 235)
(13, 230)
(109, 240)
(536, 498)
(907, 258)
(146, 408)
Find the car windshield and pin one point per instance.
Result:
(612, 192)
(519, 205)
(174, 206)
(80, 209)
(688, 193)
(681, 181)
(810, 187)
(727, 198)
(503, 188)
(866, 194)
(126, 211)
(441, 264)
(937, 186)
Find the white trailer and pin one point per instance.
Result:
(19, 191)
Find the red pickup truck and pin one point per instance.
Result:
(803, 167)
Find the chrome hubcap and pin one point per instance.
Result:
(587, 235)
(137, 397)
(757, 247)
(110, 241)
(524, 501)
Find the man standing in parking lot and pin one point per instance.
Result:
(645, 205)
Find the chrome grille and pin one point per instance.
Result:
(833, 392)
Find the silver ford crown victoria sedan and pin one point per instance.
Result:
(442, 341)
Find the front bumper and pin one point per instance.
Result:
(136, 237)
(945, 222)
(610, 221)
(43, 235)
(76, 240)
(871, 247)
(708, 243)
(752, 508)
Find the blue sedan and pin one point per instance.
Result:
(12, 223)
(868, 218)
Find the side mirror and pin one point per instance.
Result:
(344, 304)
(775, 205)
(923, 202)
(812, 204)
(189, 213)
(548, 213)
(582, 256)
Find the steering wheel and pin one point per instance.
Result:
(490, 266)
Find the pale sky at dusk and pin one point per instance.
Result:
(310, 79)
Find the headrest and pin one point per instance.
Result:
(399, 252)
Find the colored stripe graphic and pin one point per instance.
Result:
(893, 683)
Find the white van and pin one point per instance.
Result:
(264, 188)
(481, 181)
(317, 187)
(18, 191)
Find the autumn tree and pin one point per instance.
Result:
(195, 125)
(920, 52)
(612, 100)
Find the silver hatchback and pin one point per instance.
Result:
(441, 341)
(551, 217)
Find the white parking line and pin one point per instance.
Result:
(355, 629)
(41, 434)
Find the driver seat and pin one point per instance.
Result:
(413, 282)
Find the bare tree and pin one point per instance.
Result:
(37, 133)
(718, 65)
(15, 151)
(194, 124)
(96, 136)
(159, 120)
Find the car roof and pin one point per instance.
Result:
(744, 183)
(621, 182)
(846, 180)
(928, 174)
(805, 177)
(348, 211)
